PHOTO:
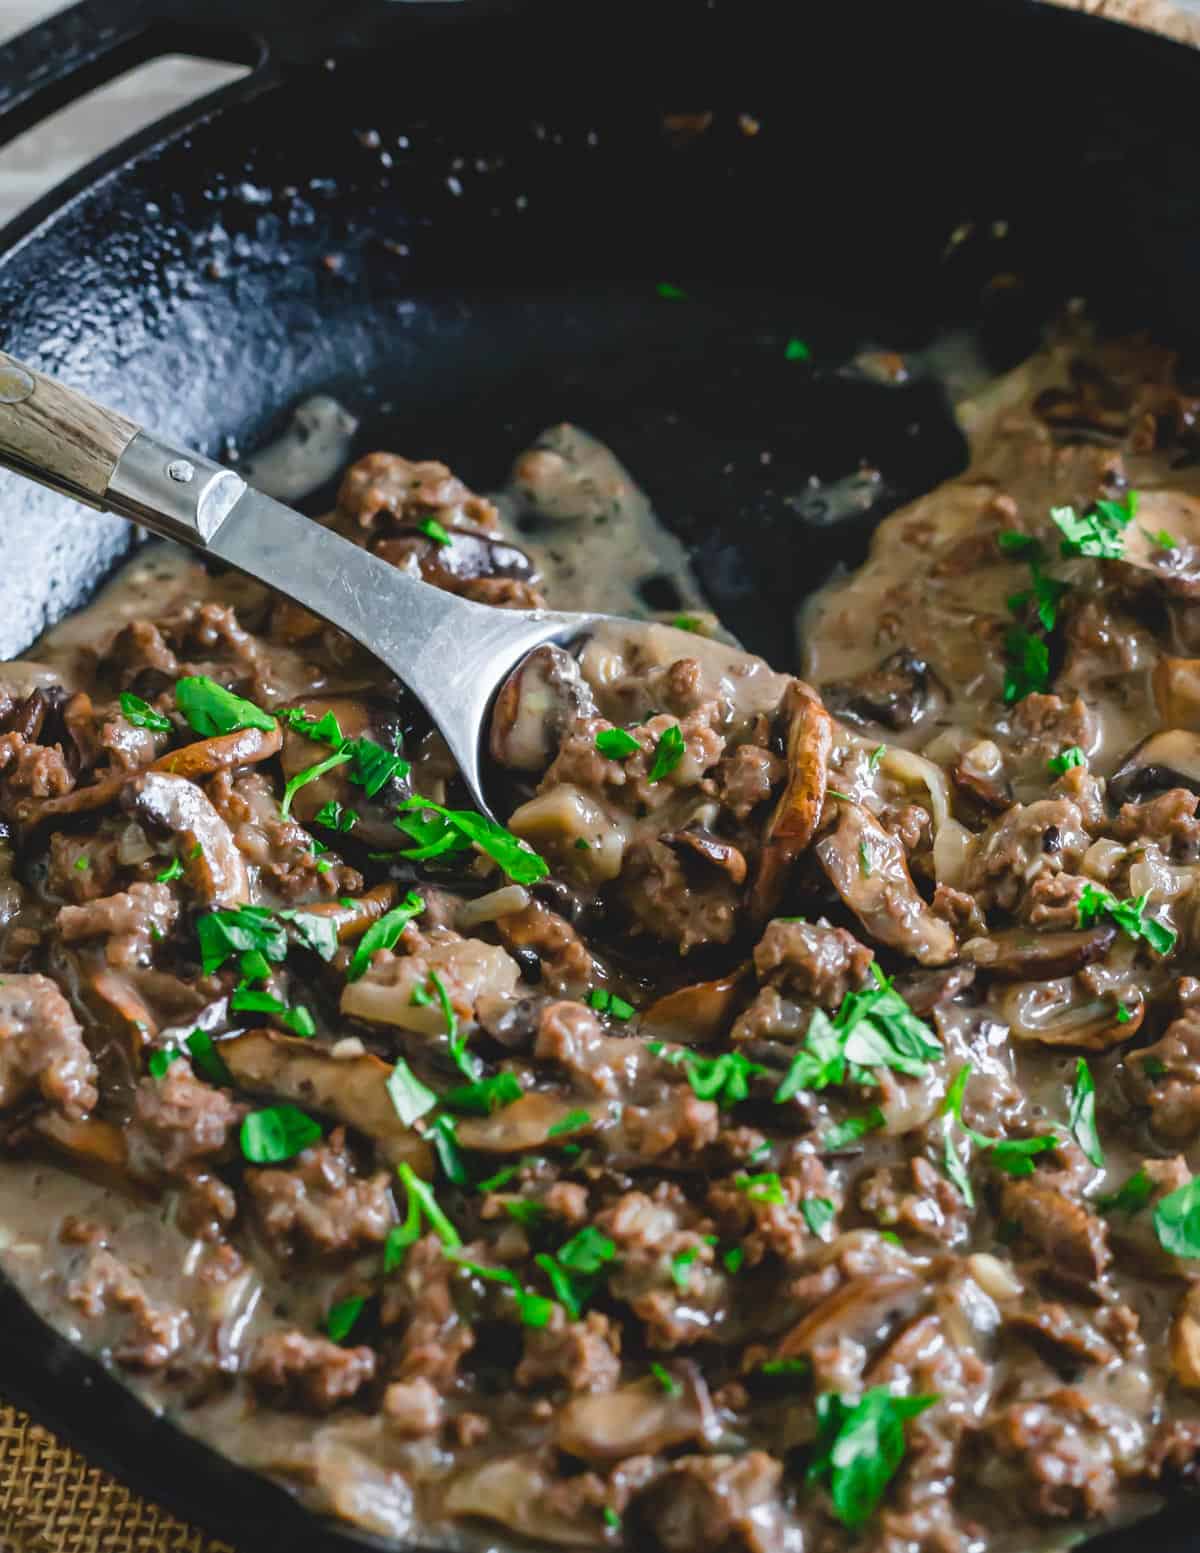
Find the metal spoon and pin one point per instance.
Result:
(453, 654)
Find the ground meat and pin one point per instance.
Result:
(418, 1299)
(1174, 1454)
(413, 1409)
(1072, 1240)
(179, 1121)
(668, 905)
(37, 770)
(279, 848)
(582, 1355)
(1051, 902)
(1166, 1077)
(812, 960)
(960, 910)
(568, 970)
(679, 1125)
(140, 647)
(384, 485)
(1169, 820)
(915, 1198)
(627, 780)
(570, 1035)
(503, 592)
(1059, 1443)
(146, 1335)
(710, 1504)
(133, 922)
(1044, 726)
(318, 1204)
(745, 778)
(41, 1045)
(1031, 839)
(293, 1370)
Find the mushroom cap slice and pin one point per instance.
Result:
(1021, 954)
(793, 821)
(205, 757)
(530, 1123)
(213, 865)
(701, 1012)
(635, 1420)
(352, 1090)
(1170, 758)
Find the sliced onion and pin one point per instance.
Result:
(952, 848)
(916, 769)
(486, 908)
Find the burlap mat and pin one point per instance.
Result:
(51, 1500)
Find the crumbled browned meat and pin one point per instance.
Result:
(745, 778)
(42, 1047)
(1060, 1444)
(38, 770)
(916, 1199)
(567, 967)
(1170, 820)
(711, 1504)
(412, 1408)
(382, 484)
(279, 848)
(581, 1355)
(571, 1036)
(812, 960)
(319, 1204)
(1166, 1077)
(419, 1299)
(681, 1124)
(1045, 726)
(1046, 837)
(1174, 1454)
(1099, 644)
(207, 1205)
(669, 905)
(133, 922)
(179, 1121)
(1051, 902)
(959, 909)
(1072, 1241)
(146, 1335)
(292, 1369)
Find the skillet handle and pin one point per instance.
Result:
(59, 437)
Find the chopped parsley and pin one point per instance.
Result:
(681, 1267)
(571, 1122)
(859, 1447)
(278, 1133)
(207, 1060)
(485, 1096)
(1058, 764)
(1081, 1117)
(432, 529)
(611, 1519)
(1100, 532)
(82, 863)
(766, 1187)
(723, 1078)
(1013, 542)
(452, 830)
(666, 1380)
(668, 752)
(1128, 915)
(251, 1000)
(1177, 1220)
(310, 774)
(797, 1366)
(212, 710)
(852, 1129)
(410, 1098)
(383, 933)
(1130, 1197)
(732, 1260)
(876, 759)
(444, 1137)
(606, 1002)
(422, 1207)
(339, 1323)
(142, 715)
(670, 292)
(873, 1028)
(1014, 1156)
(1162, 539)
(534, 1310)
(575, 1269)
(1028, 667)
(865, 866)
(461, 1057)
(797, 350)
(616, 744)
(239, 930)
(159, 1061)
(818, 1214)
(334, 816)
(691, 623)
(173, 870)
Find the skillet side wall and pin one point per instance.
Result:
(496, 271)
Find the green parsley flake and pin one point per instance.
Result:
(670, 292)
(432, 529)
(1028, 668)
(732, 1260)
(212, 710)
(852, 1129)
(616, 744)
(1177, 1220)
(339, 1323)
(818, 1215)
(278, 1133)
(681, 1267)
(207, 1060)
(796, 350)
(611, 1519)
(722, 1078)
(463, 1060)
(1128, 915)
(486, 1096)
(1130, 1197)
(142, 715)
(668, 752)
(422, 1206)
(1081, 1118)
(1162, 539)
(310, 774)
(443, 1135)
(160, 1061)
(1100, 533)
(82, 862)
(240, 930)
(335, 817)
(571, 1122)
(876, 759)
(410, 1098)
(452, 830)
(859, 1447)
(173, 870)
(384, 933)
(691, 623)
(1070, 758)
(766, 1187)
(666, 1380)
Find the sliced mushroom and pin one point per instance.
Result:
(213, 866)
(530, 1123)
(515, 1492)
(698, 842)
(30, 812)
(1054, 1013)
(121, 999)
(1185, 1341)
(354, 919)
(702, 1012)
(245, 747)
(463, 556)
(864, 1310)
(1167, 759)
(537, 703)
(352, 1090)
(897, 694)
(794, 820)
(1020, 954)
(638, 1419)
(1162, 545)
(95, 1147)
(867, 867)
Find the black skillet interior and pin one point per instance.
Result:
(456, 218)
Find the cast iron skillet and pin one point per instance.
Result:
(486, 263)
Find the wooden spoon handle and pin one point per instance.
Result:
(57, 436)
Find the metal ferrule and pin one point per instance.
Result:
(172, 491)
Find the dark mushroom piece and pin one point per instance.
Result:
(213, 866)
(205, 757)
(982, 778)
(864, 1309)
(698, 842)
(640, 1419)
(32, 812)
(1021, 954)
(897, 694)
(537, 703)
(469, 555)
(702, 1012)
(1055, 1012)
(794, 820)
(1167, 759)
(530, 1123)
